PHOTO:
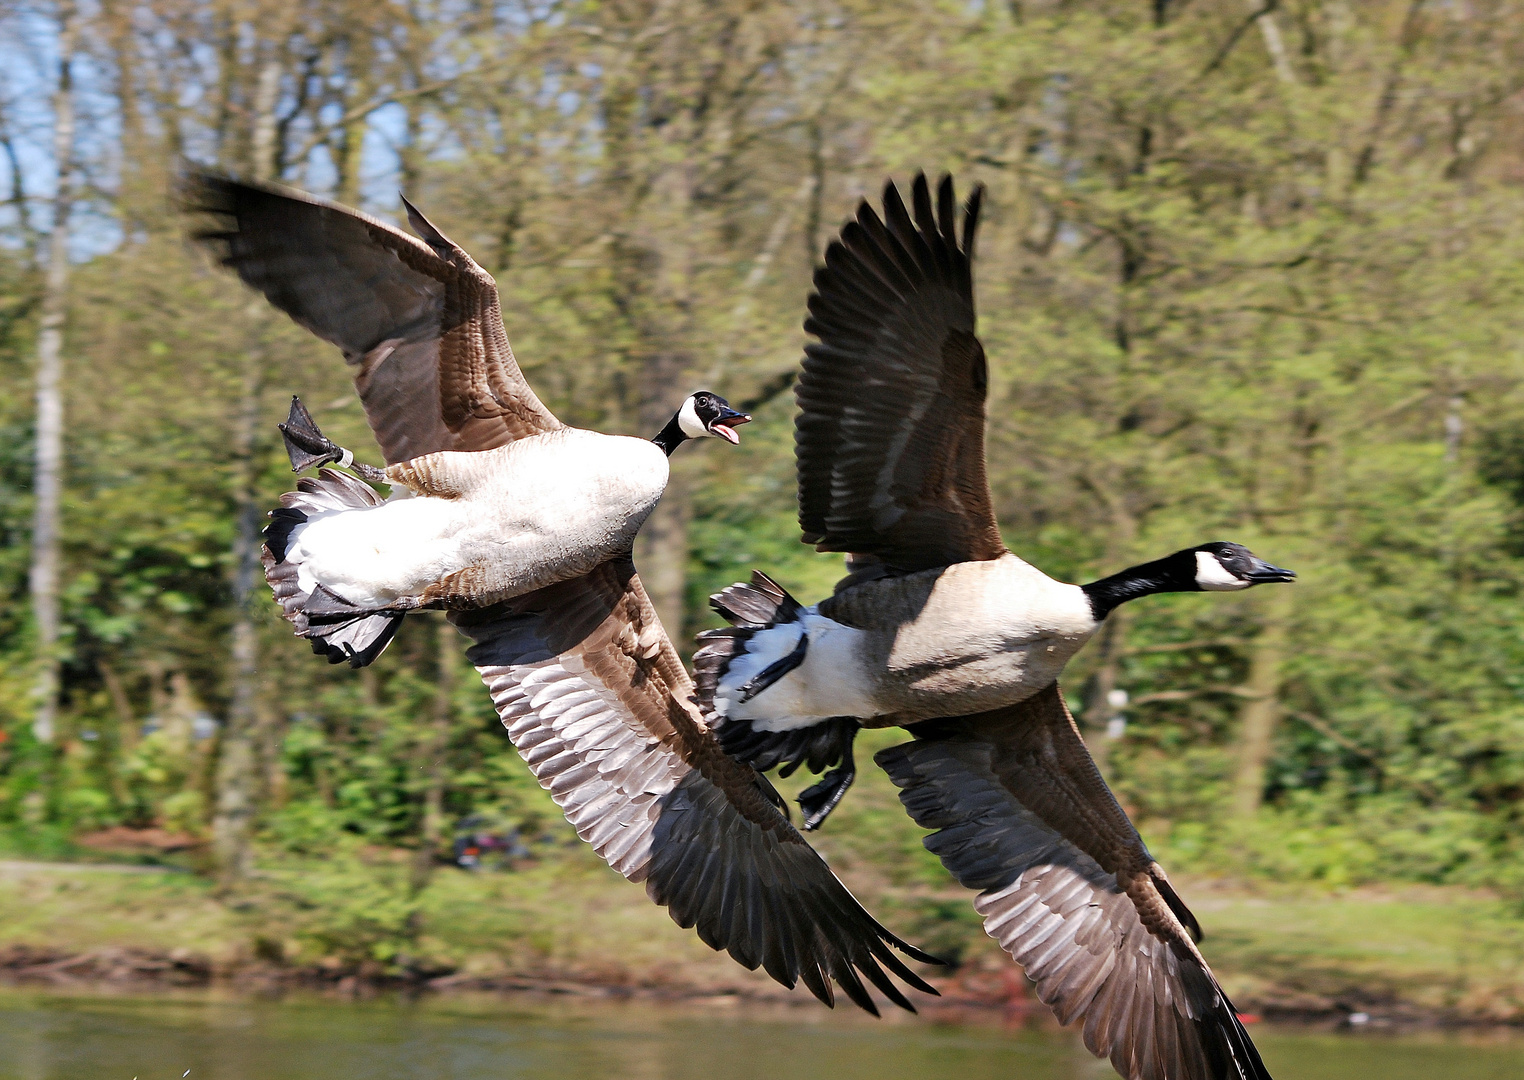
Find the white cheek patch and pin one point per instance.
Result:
(1212, 576)
(688, 420)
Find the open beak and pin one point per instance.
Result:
(1262, 573)
(725, 424)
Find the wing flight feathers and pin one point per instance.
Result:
(418, 322)
(889, 440)
(1068, 888)
(599, 705)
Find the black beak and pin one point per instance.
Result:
(724, 424)
(1261, 572)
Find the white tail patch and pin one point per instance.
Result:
(830, 681)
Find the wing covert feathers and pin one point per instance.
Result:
(1069, 890)
(418, 322)
(598, 703)
(889, 440)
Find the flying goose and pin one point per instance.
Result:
(580, 670)
(486, 526)
(936, 618)
(939, 629)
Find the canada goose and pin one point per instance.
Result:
(486, 526)
(940, 629)
(936, 617)
(580, 670)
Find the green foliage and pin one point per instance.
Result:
(1225, 295)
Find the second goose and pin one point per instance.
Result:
(937, 627)
(935, 618)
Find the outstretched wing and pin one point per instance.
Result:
(598, 703)
(890, 436)
(1069, 890)
(418, 320)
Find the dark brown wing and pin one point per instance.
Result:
(1069, 890)
(417, 319)
(599, 704)
(890, 435)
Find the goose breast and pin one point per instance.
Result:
(490, 525)
(967, 637)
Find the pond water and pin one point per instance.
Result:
(53, 1036)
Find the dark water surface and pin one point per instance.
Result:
(53, 1036)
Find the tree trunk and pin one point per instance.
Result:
(238, 763)
(1262, 711)
(661, 549)
(447, 642)
(661, 555)
(351, 148)
(1098, 707)
(1270, 30)
(47, 482)
(237, 766)
(262, 143)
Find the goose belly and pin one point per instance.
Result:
(988, 635)
(958, 678)
(374, 556)
(558, 510)
(535, 512)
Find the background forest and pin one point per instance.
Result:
(1248, 271)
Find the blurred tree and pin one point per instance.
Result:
(47, 476)
(1248, 272)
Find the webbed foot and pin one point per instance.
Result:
(819, 799)
(308, 447)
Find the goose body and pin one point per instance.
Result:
(938, 628)
(960, 638)
(488, 526)
(521, 527)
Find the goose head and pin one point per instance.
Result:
(1224, 567)
(1213, 567)
(704, 415)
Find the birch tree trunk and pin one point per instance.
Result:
(48, 475)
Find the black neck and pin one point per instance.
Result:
(1173, 573)
(670, 436)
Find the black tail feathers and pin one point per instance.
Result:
(753, 607)
(335, 628)
(357, 640)
(283, 521)
(757, 604)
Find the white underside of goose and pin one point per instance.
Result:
(538, 510)
(829, 682)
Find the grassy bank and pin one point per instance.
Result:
(563, 919)
(567, 921)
